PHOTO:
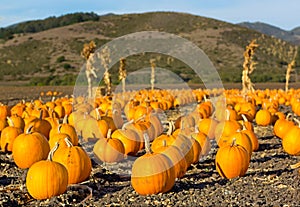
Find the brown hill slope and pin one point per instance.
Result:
(53, 56)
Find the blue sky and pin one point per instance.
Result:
(281, 13)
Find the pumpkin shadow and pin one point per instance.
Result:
(267, 158)
(4, 180)
(268, 146)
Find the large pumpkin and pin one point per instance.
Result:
(232, 161)
(30, 147)
(76, 160)
(152, 173)
(46, 179)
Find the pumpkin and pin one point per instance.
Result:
(52, 119)
(168, 138)
(46, 178)
(263, 117)
(59, 110)
(155, 121)
(16, 121)
(109, 149)
(30, 147)
(204, 142)
(76, 160)
(152, 173)
(185, 144)
(226, 128)
(175, 155)
(129, 138)
(290, 141)
(65, 128)
(253, 138)
(232, 161)
(246, 108)
(282, 126)
(40, 125)
(4, 111)
(8, 135)
(3, 124)
(208, 126)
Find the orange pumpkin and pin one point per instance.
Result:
(291, 142)
(30, 145)
(76, 160)
(109, 149)
(232, 161)
(263, 117)
(152, 173)
(43, 172)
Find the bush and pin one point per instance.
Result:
(60, 59)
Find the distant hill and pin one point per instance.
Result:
(52, 55)
(292, 36)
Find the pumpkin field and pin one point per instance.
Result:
(150, 147)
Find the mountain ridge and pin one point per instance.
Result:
(292, 36)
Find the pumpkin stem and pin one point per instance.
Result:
(294, 166)
(108, 136)
(297, 121)
(147, 143)
(164, 143)
(65, 120)
(41, 114)
(98, 116)
(233, 143)
(205, 98)
(288, 116)
(244, 117)
(140, 118)
(59, 128)
(28, 131)
(127, 123)
(68, 142)
(170, 128)
(11, 123)
(227, 114)
(51, 153)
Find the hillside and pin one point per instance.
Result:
(53, 56)
(292, 36)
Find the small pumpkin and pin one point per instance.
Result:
(109, 149)
(129, 138)
(65, 128)
(263, 117)
(282, 126)
(208, 126)
(175, 155)
(40, 125)
(8, 136)
(204, 142)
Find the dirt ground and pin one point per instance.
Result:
(269, 181)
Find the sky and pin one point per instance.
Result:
(280, 13)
